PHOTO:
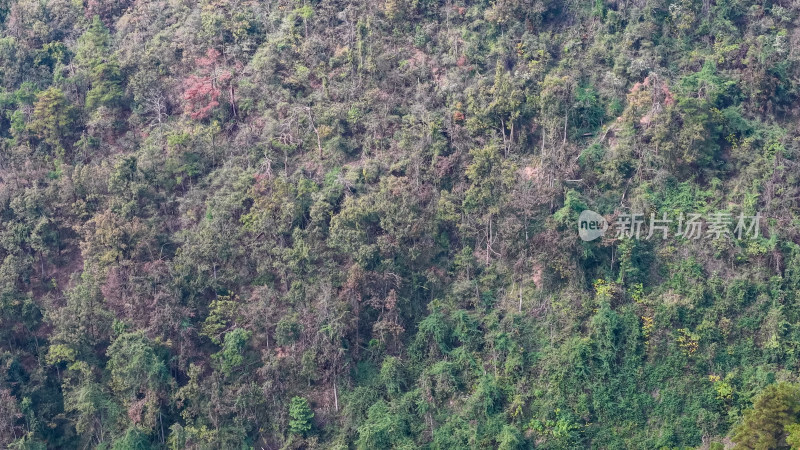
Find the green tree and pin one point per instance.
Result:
(100, 73)
(135, 365)
(230, 357)
(106, 86)
(775, 412)
(54, 119)
(383, 428)
(510, 438)
(300, 415)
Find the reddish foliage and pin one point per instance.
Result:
(659, 86)
(201, 96)
(209, 60)
(136, 409)
(203, 91)
(668, 99)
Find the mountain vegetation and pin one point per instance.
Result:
(353, 224)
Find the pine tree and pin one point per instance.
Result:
(102, 69)
(765, 425)
(300, 415)
(53, 119)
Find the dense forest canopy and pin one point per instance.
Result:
(353, 224)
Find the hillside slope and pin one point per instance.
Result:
(354, 224)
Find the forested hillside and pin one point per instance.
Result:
(354, 224)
